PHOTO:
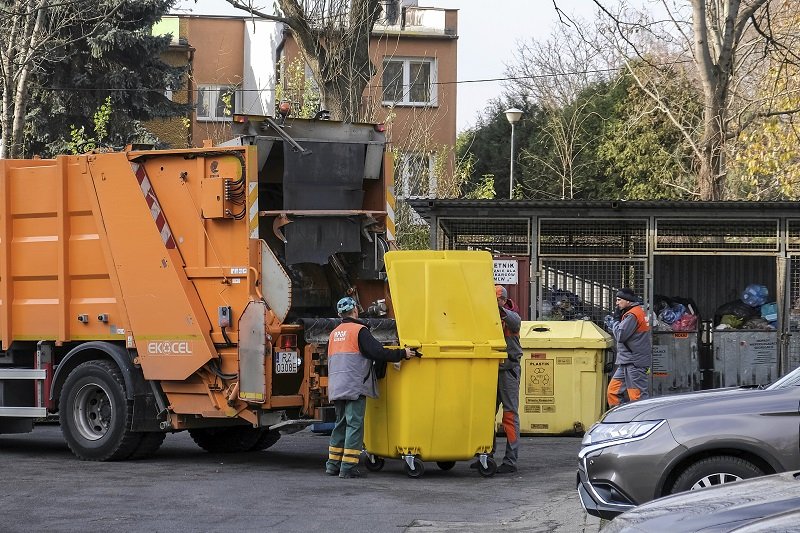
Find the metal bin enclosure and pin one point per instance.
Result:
(562, 388)
(745, 357)
(676, 363)
(439, 407)
(792, 359)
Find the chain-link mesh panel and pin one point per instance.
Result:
(793, 234)
(680, 234)
(593, 237)
(793, 355)
(507, 236)
(585, 289)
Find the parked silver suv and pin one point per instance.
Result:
(648, 449)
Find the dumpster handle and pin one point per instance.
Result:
(539, 329)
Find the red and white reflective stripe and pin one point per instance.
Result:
(152, 203)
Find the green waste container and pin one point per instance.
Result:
(562, 387)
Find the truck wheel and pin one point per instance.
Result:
(150, 443)
(95, 415)
(234, 439)
(268, 438)
(715, 470)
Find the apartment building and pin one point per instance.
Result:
(240, 65)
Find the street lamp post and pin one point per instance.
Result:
(513, 115)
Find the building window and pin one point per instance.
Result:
(215, 102)
(409, 82)
(415, 177)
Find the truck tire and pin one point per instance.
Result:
(150, 443)
(95, 415)
(233, 439)
(268, 438)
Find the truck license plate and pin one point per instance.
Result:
(286, 363)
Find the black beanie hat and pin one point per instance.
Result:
(627, 294)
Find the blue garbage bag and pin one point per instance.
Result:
(755, 295)
(672, 313)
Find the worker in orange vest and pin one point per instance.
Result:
(351, 351)
(634, 344)
(508, 379)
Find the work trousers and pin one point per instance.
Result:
(628, 384)
(508, 396)
(347, 438)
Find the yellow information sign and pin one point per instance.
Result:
(539, 377)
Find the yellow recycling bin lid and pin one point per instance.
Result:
(563, 334)
(444, 302)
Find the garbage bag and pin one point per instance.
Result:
(756, 322)
(687, 322)
(732, 321)
(735, 308)
(566, 304)
(755, 295)
(769, 311)
(671, 314)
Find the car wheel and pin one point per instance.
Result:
(716, 470)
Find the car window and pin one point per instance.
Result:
(789, 380)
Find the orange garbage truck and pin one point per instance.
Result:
(147, 291)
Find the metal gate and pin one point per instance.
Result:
(582, 264)
(792, 310)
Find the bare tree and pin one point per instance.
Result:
(333, 38)
(32, 34)
(553, 73)
(722, 40)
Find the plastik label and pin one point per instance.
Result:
(169, 348)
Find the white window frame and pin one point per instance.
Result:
(404, 175)
(215, 89)
(406, 97)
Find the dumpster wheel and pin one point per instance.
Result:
(413, 466)
(445, 465)
(490, 468)
(374, 463)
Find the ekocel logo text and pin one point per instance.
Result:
(169, 348)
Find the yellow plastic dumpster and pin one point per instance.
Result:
(439, 407)
(562, 388)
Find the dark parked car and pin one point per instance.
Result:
(765, 504)
(648, 449)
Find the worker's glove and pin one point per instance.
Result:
(609, 322)
(608, 367)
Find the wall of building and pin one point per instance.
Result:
(219, 60)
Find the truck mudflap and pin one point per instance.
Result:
(317, 330)
(293, 426)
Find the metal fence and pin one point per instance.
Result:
(500, 236)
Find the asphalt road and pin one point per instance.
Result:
(182, 488)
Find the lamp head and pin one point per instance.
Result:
(513, 115)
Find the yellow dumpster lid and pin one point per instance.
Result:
(563, 334)
(444, 302)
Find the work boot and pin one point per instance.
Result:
(506, 469)
(332, 472)
(352, 473)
